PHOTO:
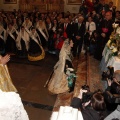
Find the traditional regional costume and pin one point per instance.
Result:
(35, 51)
(22, 42)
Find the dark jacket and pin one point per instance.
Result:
(88, 113)
(108, 25)
(79, 31)
(114, 88)
(68, 30)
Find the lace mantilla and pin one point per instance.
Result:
(11, 107)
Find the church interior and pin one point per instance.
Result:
(31, 77)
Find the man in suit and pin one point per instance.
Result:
(66, 28)
(79, 31)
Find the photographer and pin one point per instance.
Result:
(94, 109)
(112, 93)
(107, 75)
(114, 85)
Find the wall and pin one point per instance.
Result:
(115, 3)
(71, 8)
(9, 7)
(75, 8)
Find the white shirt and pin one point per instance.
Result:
(92, 27)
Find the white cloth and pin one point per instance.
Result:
(11, 107)
(92, 27)
(67, 113)
(106, 61)
(25, 37)
(114, 62)
(4, 34)
(27, 25)
(106, 53)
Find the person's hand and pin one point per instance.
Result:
(86, 103)
(109, 82)
(103, 35)
(115, 80)
(5, 59)
(81, 93)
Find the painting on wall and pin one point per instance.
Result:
(10, 1)
(74, 2)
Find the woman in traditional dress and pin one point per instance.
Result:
(22, 43)
(35, 51)
(11, 39)
(27, 24)
(42, 31)
(58, 82)
(6, 84)
(15, 24)
(2, 40)
(53, 37)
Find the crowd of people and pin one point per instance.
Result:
(100, 105)
(29, 34)
(24, 32)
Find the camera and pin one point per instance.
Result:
(108, 74)
(86, 96)
(86, 87)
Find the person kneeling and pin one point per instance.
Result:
(94, 109)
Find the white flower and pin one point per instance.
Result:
(70, 69)
(112, 47)
(115, 25)
(114, 50)
(118, 53)
(108, 43)
(118, 30)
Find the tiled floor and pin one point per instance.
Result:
(38, 114)
(30, 78)
(29, 81)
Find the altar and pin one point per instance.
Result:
(111, 52)
(109, 60)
